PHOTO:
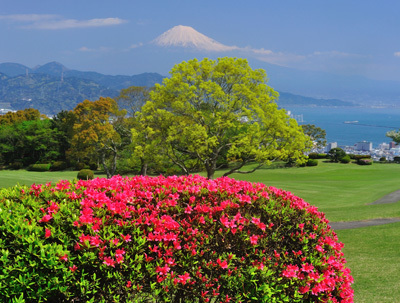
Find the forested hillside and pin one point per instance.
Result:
(52, 87)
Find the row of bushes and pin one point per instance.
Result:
(55, 166)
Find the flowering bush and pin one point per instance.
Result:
(175, 239)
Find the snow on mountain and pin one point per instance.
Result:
(186, 36)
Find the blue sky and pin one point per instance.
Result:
(356, 37)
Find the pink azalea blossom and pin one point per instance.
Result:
(47, 233)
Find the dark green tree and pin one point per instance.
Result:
(336, 154)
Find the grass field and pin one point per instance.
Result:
(342, 192)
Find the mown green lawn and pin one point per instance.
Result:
(9, 178)
(343, 192)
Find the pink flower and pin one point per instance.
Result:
(223, 264)
(304, 289)
(128, 284)
(120, 259)
(109, 261)
(307, 267)
(73, 268)
(126, 238)
(183, 278)
(162, 270)
(114, 241)
(253, 239)
(47, 233)
(64, 258)
(119, 252)
(255, 220)
(46, 218)
(290, 271)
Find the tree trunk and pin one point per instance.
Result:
(211, 166)
(143, 170)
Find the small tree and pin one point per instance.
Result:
(99, 133)
(316, 134)
(336, 154)
(394, 135)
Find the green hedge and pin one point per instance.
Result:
(39, 167)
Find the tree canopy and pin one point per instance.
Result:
(207, 110)
(394, 135)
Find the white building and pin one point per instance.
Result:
(384, 146)
(330, 145)
(363, 146)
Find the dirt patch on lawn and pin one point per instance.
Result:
(390, 198)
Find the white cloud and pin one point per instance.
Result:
(334, 53)
(397, 54)
(55, 22)
(93, 50)
(133, 46)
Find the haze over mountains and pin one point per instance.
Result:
(183, 41)
(52, 87)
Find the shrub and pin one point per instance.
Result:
(358, 157)
(81, 165)
(317, 156)
(59, 165)
(396, 159)
(364, 161)
(85, 174)
(345, 159)
(39, 167)
(313, 155)
(16, 165)
(382, 159)
(312, 162)
(175, 239)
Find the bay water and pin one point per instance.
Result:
(349, 125)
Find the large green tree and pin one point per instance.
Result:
(211, 109)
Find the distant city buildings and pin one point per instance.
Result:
(387, 150)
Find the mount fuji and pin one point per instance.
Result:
(186, 36)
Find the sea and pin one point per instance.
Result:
(349, 125)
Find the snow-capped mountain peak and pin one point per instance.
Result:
(186, 36)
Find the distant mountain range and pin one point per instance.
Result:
(52, 87)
